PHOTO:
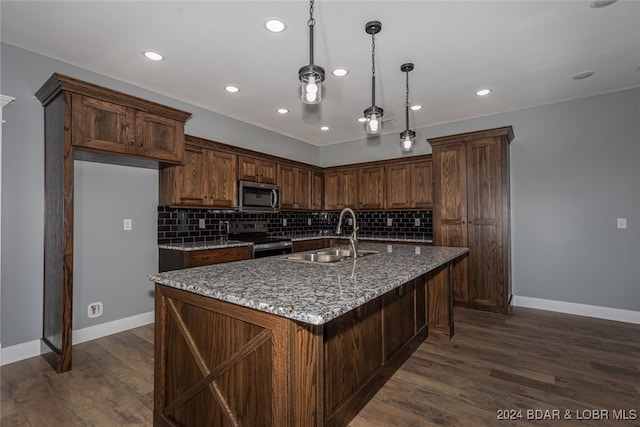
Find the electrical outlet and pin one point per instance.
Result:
(389, 222)
(94, 310)
(622, 223)
(389, 248)
(308, 221)
(417, 222)
(201, 223)
(417, 250)
(127, 224)
(349, 221)
(284, 222)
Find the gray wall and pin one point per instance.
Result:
(106, 194)
(575, 168)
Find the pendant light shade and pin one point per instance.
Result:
(373, 114)
(407, 137)
(311, 76)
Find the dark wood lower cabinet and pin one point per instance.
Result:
(220, 364)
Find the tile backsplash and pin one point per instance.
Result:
(177, 225)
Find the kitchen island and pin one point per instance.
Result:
(280, 342)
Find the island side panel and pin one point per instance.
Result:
(440, 301)
(308, 376)
(220, 364)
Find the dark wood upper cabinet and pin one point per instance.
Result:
(472, 209)
(371, 188)
(257, 170)
(409, 185)
(106, 126)
(341, 189)
(317, 190)
(295, 187)
(207, 179)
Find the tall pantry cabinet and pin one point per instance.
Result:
(472, 209)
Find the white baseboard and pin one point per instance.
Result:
(607, 313)
(29, 349)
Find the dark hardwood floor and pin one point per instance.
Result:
(531, 363)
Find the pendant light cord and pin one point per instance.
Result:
(406, 102)
(311, 23)
(373, 69)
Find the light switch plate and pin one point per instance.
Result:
(284, 222)
(201, 223)
(622, 223)
(308, 221)
(389, 222)
(127, 224)
(417, 222)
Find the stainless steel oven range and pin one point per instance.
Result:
(257, 232)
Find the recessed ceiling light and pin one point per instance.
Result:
(231, 89)
(483, 92)
(597, 4)
(583, 75)
(416, 107)
(362, 119)
(154, 56)
(340, 72)
(324, 128)
(283, 110)
(275, 25)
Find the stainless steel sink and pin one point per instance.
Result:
(320, 258)
(329, 256)
(345, 252)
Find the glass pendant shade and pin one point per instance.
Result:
(311, 77)
(373, 125)
(407, 139)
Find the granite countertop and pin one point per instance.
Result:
(200, 246)
(309, 292)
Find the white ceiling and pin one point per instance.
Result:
(525, 51)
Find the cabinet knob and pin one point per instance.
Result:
(131, 143)
(139, 144)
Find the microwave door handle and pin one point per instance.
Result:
(274, 198)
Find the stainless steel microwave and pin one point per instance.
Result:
(258, 197)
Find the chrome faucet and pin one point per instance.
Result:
(353, 239)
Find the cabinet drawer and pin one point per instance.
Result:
(217, 256)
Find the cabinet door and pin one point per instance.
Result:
(398, 186)
(268, 171)
(331, 190)
(303, 188)
(317, 190)
(158, 137)
(450, 219)
(349, 189)
(252, 169)
(371, 187)
(220, 182)
(398, 307)
(485, 200)
(287, 182)
(193, 177)
(421, 190)
(101, 125)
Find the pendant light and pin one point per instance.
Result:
(373, 114)
(311, 76)
(407, 137)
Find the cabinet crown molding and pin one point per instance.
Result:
(59, 82)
